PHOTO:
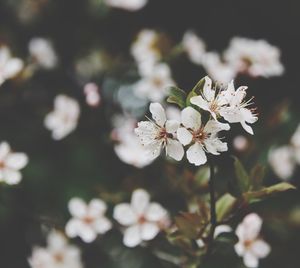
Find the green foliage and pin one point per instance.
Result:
(224, 206)
(177, 96)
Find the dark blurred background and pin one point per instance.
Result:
(85, 164)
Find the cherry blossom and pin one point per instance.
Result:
(64, 118)
(10, 164)
(9, 66)
(88, 219)
(250, 246)
(142, 220)
(130, 5)
(159, 133)
(203, 138)
(57, 254)
(92, 96)
(194, 47)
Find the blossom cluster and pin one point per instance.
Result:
(200, 137)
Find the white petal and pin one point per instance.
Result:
(87, 233)
(184, 136)
(247, 127)
(4, 150)
(102, 225)
(73, 227)
(201, 103)
(208, 93)
(77, 207)
(153, 150)
(260, 248)
(146, 131)
(12, 67)
(215, 145)
(213, 126)
(172, 126)
(196, 155)
(155, 212)
(174, 149)
(240, 248)
(124, 214)
(222, 229)
(149, 231)
(132, 236)
(140, 201)
(96, 208)
(158, 113)
(11, 176)
(191, 118)
(250, 260)
(16, 160)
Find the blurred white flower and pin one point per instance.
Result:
(240, 143)
(210, 100)
(254, 57)
(237, 110)
(88, 219)
(145, 51)
(10, 164)
(129, 148)
(282, 161)
(295, 142)
(143, 220)
(160, 134)
(130, 5)
(154, 85)
(173, 113)
(250, 246)
(9, 66)
(42, 51)
(194, 47)
(64, 118)
(218, 70)
(92, 95)
(57, 254)
(203, 138)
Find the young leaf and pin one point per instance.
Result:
(224, 206)
(268, 191)
(242, 178)
(257, 174)
(177, 96)
(199, 86)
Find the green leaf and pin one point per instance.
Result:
(199, 86)
(242, 178)
(268, 191)
(257, 175)
(177, 96)
(190, 95)
(227, 237)
(224, 206)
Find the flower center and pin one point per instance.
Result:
(2, 165)
(214, 106)
(158, 82)
(141, 220)
(59, 257)
(164, 135)
(88, 219)
(248, 243)
(199, 135)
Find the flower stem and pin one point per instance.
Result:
(213, 215)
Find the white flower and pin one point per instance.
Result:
(218, 70)
(194, 47)
(9, 67)
(130, 5)
(282, 161)
(129, 148)
(254, 57)
(153, 85)
(203, 138)
(236, 111)
(145, 51)
(42, 52)
(210, 101)
(160, 134)
(88, 219)
(64, 118)
(57, 254)
(295, 142)
(143, 220)
(250, 246)
(92, 96)
(10, 164)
